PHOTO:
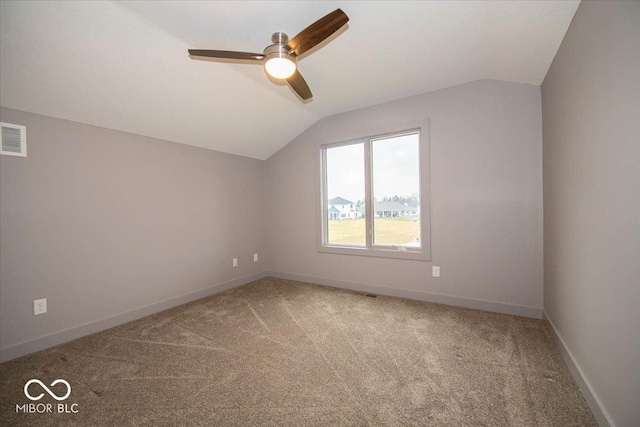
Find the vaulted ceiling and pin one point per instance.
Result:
(124, 65)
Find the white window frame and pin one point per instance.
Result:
(386, 251)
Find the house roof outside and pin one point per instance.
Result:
(340, 201)
(389, 206)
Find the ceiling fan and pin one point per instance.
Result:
(280, 58)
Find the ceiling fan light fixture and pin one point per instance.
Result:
(278, 62)
(280, 65)
(280, 59)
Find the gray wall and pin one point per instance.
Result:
(101, 222)
(486, 193)
(591, 126)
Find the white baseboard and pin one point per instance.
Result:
(595, 404)
(56, 338)
(496, 307)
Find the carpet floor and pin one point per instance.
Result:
(278, 352)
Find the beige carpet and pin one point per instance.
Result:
(278, 352)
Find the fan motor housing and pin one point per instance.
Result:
(279, 48)
(279, 37)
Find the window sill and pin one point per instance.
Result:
(409, 254)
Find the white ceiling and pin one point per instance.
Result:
(124, 65)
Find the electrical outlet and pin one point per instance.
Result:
(435, 270)
(255, 257)
(39, 306)
(235, 262)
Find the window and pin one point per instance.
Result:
(375, 196)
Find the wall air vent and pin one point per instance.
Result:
(14, 140)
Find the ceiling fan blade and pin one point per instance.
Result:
(227, 54)
(317, 32)
(297, 83)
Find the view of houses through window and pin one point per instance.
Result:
(394, 178)
(395, 173)
(345, 190)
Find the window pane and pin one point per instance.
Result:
(396, 190)
(345, 195)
